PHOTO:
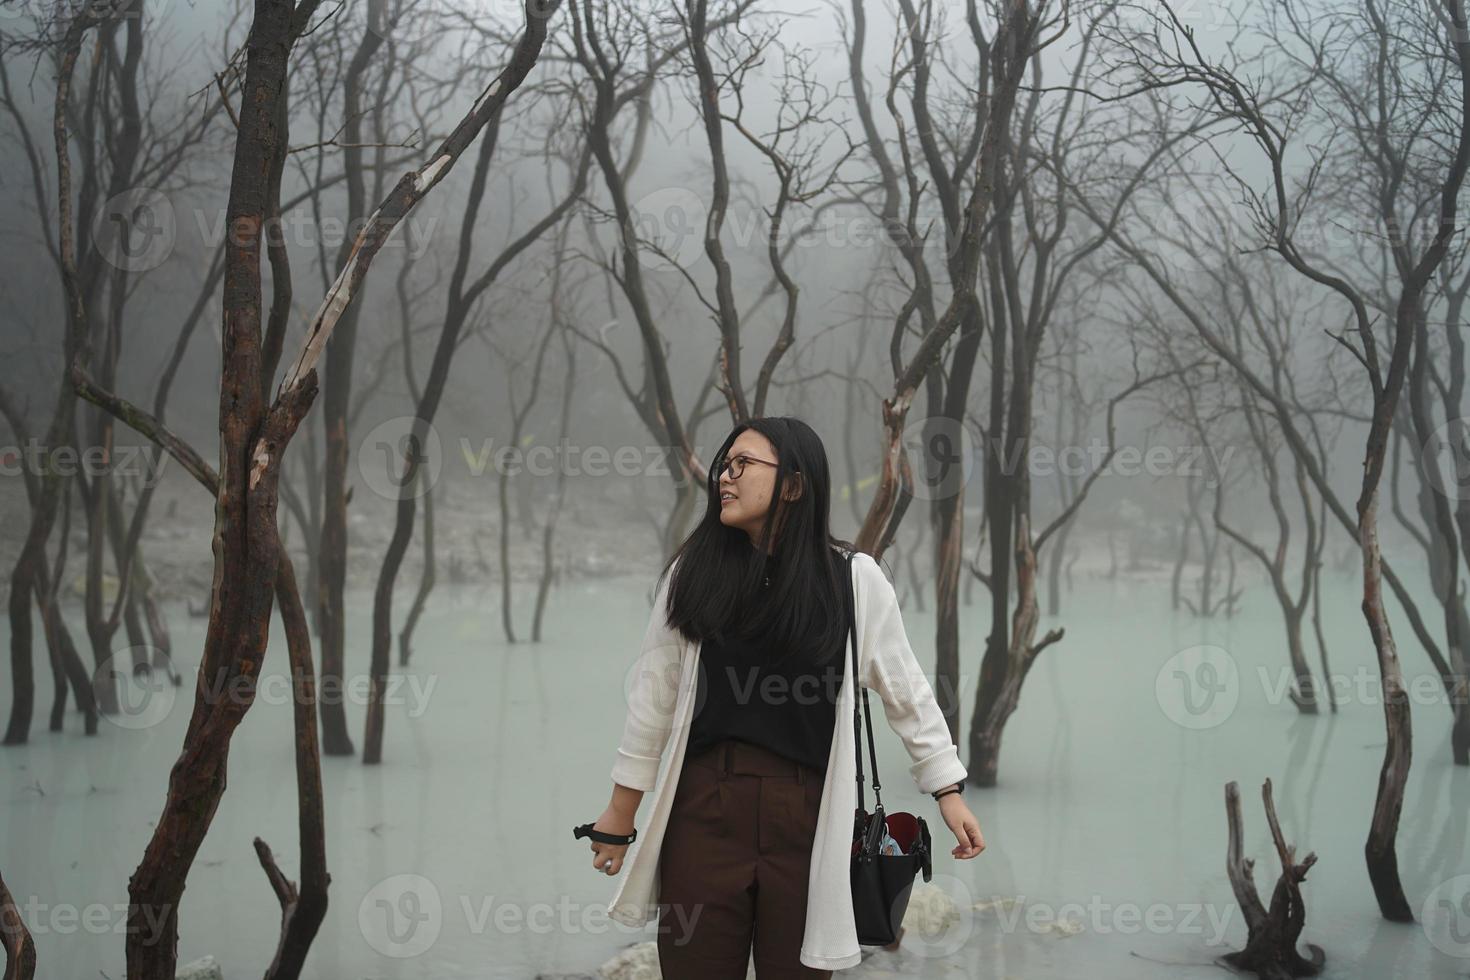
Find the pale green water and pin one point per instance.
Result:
(1109, 815)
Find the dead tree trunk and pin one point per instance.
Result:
(518, 415)
(462, 299)
(25, 574)
(1271, 948)
(122, 143)
(1008, 54)
(1071, 406)
(656, 402)
(427, 577)
(303, 909)
(246, 545)
(1181, 558)
(253, 437)
(945, 479)
(549, 570)
(1026, 255)
(1411, 222)
(67, 668)
(425, 487)
(336, 399)
(15, 939)
(1441, 544)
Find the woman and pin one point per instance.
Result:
(745, 664)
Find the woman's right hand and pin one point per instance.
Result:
(608, 858)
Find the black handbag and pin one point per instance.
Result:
(881, 883)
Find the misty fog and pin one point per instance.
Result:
(362, 364)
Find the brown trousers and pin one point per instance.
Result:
(733, 866)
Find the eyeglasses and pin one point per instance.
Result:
(737, 465)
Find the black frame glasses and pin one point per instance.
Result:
(737, 464)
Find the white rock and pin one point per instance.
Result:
(640, 962)
(637, 962)
(202, 969)
(931, 911)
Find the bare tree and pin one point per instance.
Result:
(1271, 949)
(116, 146)
(337, 390)
(557, 306)
(465, 293)
(1378, 55)
(978, 151)
(253, 437)
(67, 667)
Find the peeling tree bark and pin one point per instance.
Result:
(302, 910)
(246, 545)
(15, 939)
(1271, 949)
(250, 564)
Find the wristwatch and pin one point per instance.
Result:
(956, 788)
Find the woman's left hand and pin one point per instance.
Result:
(966, 828)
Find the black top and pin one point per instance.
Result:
(789, 708)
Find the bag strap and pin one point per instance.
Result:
(866, 711)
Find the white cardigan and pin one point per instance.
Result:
(660, 690)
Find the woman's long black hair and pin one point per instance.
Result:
(716, 591)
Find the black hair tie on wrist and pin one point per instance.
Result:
(586, 830)
(957, 787)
